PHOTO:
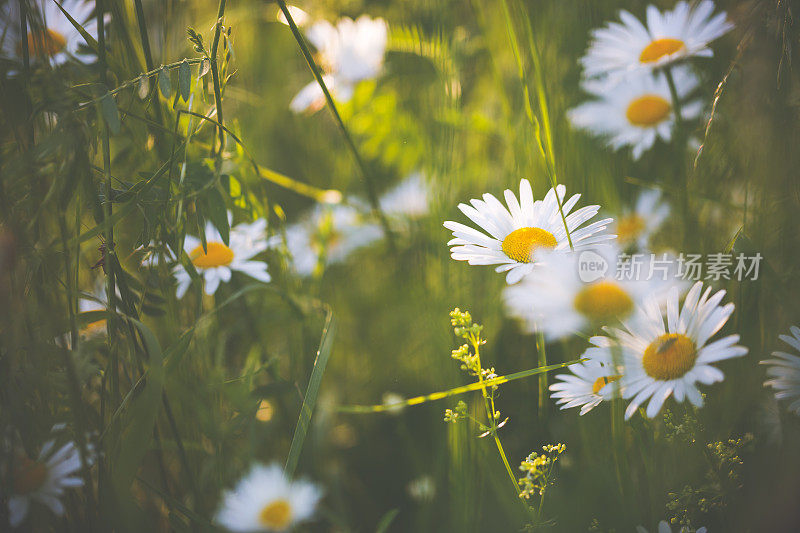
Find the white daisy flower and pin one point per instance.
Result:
(218, 260)
(634, 228)
(58, 40)
(265, 500)
(662, 360)
(43, 480)
(619, 48)
(409, 199)
(350, 52)
(572, 292)
(637, 111)
(516, 232)
(785, 372)
(664, 527)
(590, 383)
(328, 235)
(98, 302)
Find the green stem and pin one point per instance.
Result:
(370, 185)
(488, 402)
(111, 293)
(680, 141)
(215, 73)
(541, 353)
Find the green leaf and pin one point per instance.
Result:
(135, 428)
(310, 398)
(386, 521)
(218, 213)
(110, 112)
(185, 80)
(163, 82)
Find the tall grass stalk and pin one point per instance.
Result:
(372, 193)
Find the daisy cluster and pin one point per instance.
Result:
(638, 75)
(656, 344)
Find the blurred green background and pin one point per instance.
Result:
(450, 105)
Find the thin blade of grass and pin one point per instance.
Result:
(310, 398)
(454, 391)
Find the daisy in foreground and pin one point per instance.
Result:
(668, 37)
(55, 42)
(575, 291)
(516, 233)
(663, 527)
(43, 480)
(637, 111)
(350, 52)
(590, 383)
(265, 500)
(634, 228)
(218, 260)
(785, 372)
(662, 360)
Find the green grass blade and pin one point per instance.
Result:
(310, 398)
(454, 391)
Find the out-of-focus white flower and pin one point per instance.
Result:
(636, 111)
(265, 500)
(350, 52)
(299, 16)
(411, 198)
(630, 46)
(784, 371)
(43, 480)
(422, 489)
(58, 40)
(328, 235)
(634, 228)
(663, 527)
(570, 292)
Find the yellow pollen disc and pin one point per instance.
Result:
(276, 515)
(648, 110)
(603, 300)
(44, 44)
(630, 227)
(217, 255)
(28, 476)
(599, 383)
(660, 48)
(670, 356)
(94, 328)
(520, 244)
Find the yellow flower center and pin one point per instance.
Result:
(660, 48)
(44, 44)
(95, 328)
(648, 110)
(599, 383)
(630, 227)
(520, 244)
(28, 476)
(276, 515)
(603, 300)
(670, 356)
(216, 255)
